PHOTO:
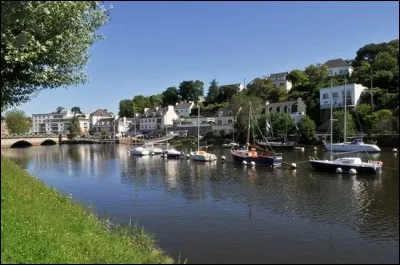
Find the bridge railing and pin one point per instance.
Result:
(29, 135)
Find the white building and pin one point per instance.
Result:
(58, 122)
(339, 67)
(224, 121)
(295, 108)
(155, 119)
(279, 80)
(183, 109)
(336, 95)
(97, 115)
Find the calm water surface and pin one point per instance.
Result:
(227, 213)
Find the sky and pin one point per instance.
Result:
(151, 46)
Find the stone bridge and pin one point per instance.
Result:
(30, 140)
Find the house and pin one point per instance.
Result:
(56, 123)
(339, 67)
(336, 95)
(183, 109)
(107, 125)
(224, 121)
(280, 80)
(97, 115)
(156, 119)
(295, 108)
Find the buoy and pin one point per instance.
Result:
(293, 165)
(244, 162)
(152, 153)
(187, 156)
(315, 148)
(223, 158)
(252, 163)
(339, 170)
(394, 150)
(352, 171)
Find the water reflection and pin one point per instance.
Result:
(173, 198)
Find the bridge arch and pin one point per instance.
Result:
(48, 142)
(21, 143)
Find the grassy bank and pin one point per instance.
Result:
(40, 225)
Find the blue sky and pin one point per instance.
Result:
(150, 46)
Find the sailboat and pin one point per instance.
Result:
(249, 153)
(200, 155)
(344, 164)
(357, 144)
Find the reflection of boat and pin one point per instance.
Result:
(344, 164)
(200, 155)
(244, 154)
(173, 154)
(139, 151)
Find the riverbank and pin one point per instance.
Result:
(40, 225)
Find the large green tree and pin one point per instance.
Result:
(17, 122)
(298, 78)
(213, 92)
(140, 102)
(191, 90)
(126, 108)
(317, 74)
(74, 128)
(45, 44)
(76, 110)
(338, 126)
(260, 87)
(307, 127)
(170, 96)
(226, 92)
(59, 109)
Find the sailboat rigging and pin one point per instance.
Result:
(200, 155)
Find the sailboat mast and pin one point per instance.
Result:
(198, 128)
(248, 127)
(331, 117)
(345, 103)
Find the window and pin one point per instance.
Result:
(325, 95)
(278, 109)
(340, 71)
(335, 94)
(285, 109)
(281, 84)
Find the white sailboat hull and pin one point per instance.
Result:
(139, 151)
(349, 147)
(203, 156)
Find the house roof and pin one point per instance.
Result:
(283, 74)
(336, 63)
(101, 113)
(183, 105)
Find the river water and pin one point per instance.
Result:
(228, 213)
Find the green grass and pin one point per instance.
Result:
(40, 225)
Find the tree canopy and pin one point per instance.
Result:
(76, 110)
(191, 90)
(17, 122)
(45, 44)
(126, 108)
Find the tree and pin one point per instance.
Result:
(45, 44)
(126, 108)
(156, 100)
(17, 122)
(281, 122)
(298, 78)
(140, 102)
(317, 74)
(191, 90)
(380, 121)
(260, 87)
(170, 96)
(226, 92)
(307, 127)
(76, 110)
(74, 128)
(338, 126)
(361, 112)
(59, 109)
(213, 92)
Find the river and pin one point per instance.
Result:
(229, 213)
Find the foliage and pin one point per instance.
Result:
(126, 108)
(213, 92)
(59, 109)
(307, 127)
(156, 100)
(298, 78)
(281, 124)
(76, 110)
(45, 44)
(380, 121)
(140, 102)
(317, 74)
(74, 128)
(226, 92)
(170, 96)
(239, 104)
(338, 126)
(191, 90)
(104, 135)
(359, 114)
(260, 87)
(17, 122)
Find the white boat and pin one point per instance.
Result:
(345, 164)
(139, 151)
(173, 154)
(357, 145)
(200, 155)
(154, 150)
(230, 145)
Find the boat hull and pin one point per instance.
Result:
(331, 167)
(259, 160)
(347, 147)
